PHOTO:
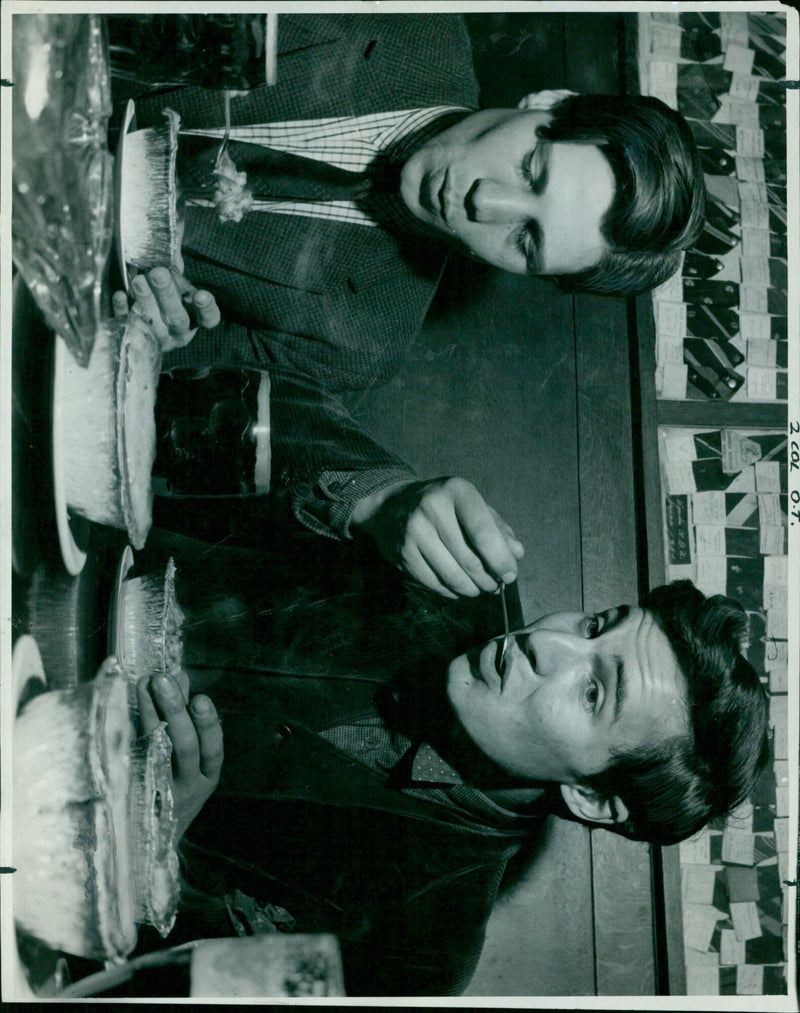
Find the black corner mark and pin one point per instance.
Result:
(5, 83)
(7, 869)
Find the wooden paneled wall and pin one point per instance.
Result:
(527, 392)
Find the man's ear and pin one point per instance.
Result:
(544, 100)
(589, 805)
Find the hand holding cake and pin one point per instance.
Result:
(196, 736)
(169, 302)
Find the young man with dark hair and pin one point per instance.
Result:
(659, 199)
(374, 798)
(330, 277)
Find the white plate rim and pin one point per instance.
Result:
(116, 610)
(73, 557)
(128, 123)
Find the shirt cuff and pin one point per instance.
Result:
(328, 508)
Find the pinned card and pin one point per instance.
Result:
(775, 598)
(768, 477)
(782, 834)
(744, 88)
(772, 540)
(670, 291)
(669, 349)
(779, 720)
(738, 847)
(777, 606)
(665, 40)
(696, 850)
(750, 169)
(755, 271)
(776, 570)
(779, 680)
(781, 769)
(755, 243)
(663, 74)
(731, 950)
(738, 59)
(711, 574)
(742, 884)
(734, 28)
(738, 451)
(671, 318)
(762, 384)
(741, 818)
(709, 540)
(752, 190)
(754, 214)
(745, 920)
(679, 445)
(698, 883)
(673, 384)
(678, 540)
(701, 980)
(749, 979)
(753, 299)
(679, 477)
(708, 507)
(762, 353)
(750, 141)
(699, 923)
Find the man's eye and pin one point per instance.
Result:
(527, 242)
(592, 626)
(591, 696)
(525, 168)
(533, 165)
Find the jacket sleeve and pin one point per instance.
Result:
(326, 460)
(430, 944)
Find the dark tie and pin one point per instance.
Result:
(271, 174)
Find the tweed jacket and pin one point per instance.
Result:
(407, 885)
(337, 303)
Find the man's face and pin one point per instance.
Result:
(494, 190)
(575, 687)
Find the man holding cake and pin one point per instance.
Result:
(366, 164)
(382, 768)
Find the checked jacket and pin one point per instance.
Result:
(331, 305)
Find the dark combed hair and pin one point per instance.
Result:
(675, 787)
(658, 208)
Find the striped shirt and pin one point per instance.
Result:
(355, 143)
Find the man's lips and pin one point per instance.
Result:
(484, 667)
(442, 195)
(436, 195)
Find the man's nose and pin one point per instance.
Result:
(493, 202)
(554, 651)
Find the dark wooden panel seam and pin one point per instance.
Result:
(713, 415)
(609, 429)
